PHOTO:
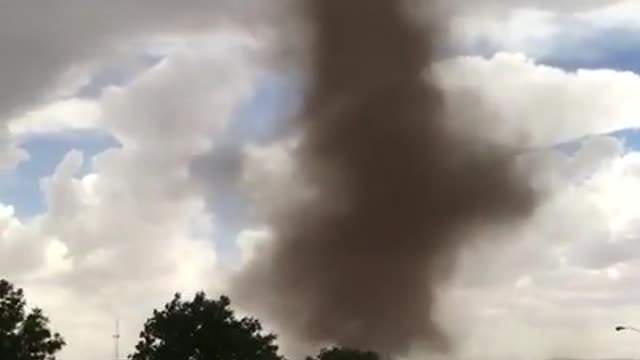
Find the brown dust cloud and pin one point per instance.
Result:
(394, 192)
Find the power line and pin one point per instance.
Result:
(627, 327)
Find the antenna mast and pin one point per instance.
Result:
(116, 338)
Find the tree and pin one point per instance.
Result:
(344, 353)
(24, 336)
(203, 329)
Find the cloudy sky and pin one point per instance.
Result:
(141, 147)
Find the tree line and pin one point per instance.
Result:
(197, 329)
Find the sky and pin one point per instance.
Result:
(143, 144)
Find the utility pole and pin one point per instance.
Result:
(116, 340)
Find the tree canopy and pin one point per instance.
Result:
(203, 329)
(24, 335)
(199, 329)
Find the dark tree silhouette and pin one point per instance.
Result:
(344, 353)
(24, 336)
(203, 329)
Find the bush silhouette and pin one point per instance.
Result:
(24, 336)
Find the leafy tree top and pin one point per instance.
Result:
(203, 329)
(24, 336)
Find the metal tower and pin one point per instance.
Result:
(116, 340)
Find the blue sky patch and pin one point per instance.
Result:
(612, 48)
(630, 137)
(264, 116)
(21, 187)
(578, 45)
(260, 119)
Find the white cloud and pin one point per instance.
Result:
(21, 247)
(118, 241)
(616, 14)
(73, 113)
(114, 242)
(55, 54)
(554, 286)
(270, 178)
(563, 279)
(66, 36)
(508, 32)
(486, 6)
(559, 285)
(565, 31)
(546, 104)
(48, 50)
(121, 239)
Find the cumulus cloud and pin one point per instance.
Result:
(549, 105)
(21, 248)
(145, 199)
(550, 5)
(59, 37)
(49, 50)
(617, 13)
(55, 55)
(72, 113)
(117, 241)
(571, 33)
(549, 287)
(122, 238)
(558, 285)
(564, 278)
